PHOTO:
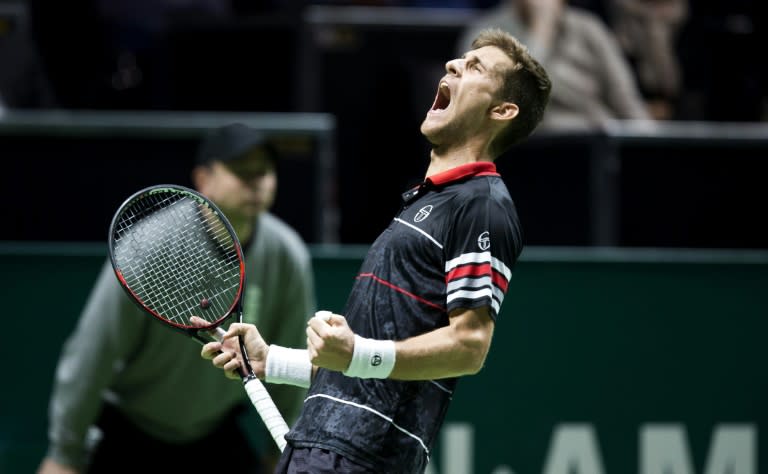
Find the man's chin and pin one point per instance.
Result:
(437, 135)
(430, 131)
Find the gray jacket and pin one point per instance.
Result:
(154, 375)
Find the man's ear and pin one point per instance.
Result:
(505, 111)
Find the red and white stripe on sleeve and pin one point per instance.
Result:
(477, 276)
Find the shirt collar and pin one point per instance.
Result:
(480, 168)
(462, 171)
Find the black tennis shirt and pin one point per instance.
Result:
(452, 245)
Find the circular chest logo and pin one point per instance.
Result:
(484, 241)
(423, 213)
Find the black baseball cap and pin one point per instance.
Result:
(231, 142)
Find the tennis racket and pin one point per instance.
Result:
(176, 255)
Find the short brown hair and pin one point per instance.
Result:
(526, 84)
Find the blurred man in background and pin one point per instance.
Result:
(592, 81)
(647, 32)
(129, 392)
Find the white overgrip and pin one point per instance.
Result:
(263, 403)
(268, 412)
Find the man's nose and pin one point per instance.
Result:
(454, 66)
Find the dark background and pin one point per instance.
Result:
(67, 187)
(378, 79)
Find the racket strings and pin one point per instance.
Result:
(177, 256)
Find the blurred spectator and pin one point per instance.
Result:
(591, 79)
(647, 31)
(130, 396)
(23, 80)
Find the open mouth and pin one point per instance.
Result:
(442, 98)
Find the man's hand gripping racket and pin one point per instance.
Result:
(177, 256)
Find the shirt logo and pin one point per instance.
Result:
(423, 213)
(484, 241)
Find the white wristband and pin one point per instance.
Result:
(372, 359)
(288, 366)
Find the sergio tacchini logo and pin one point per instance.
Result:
(484, 241)
(423, 213)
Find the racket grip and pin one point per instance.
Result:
(268, 412)
(263, 402)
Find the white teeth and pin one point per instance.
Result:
(443, 98)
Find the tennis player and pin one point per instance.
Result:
(131, 395)
(422, 310)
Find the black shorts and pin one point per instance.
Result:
(125, 448)
(316, 461)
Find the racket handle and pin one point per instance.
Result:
(263, 402)
(268, 412)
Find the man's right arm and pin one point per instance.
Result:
(88, 361)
